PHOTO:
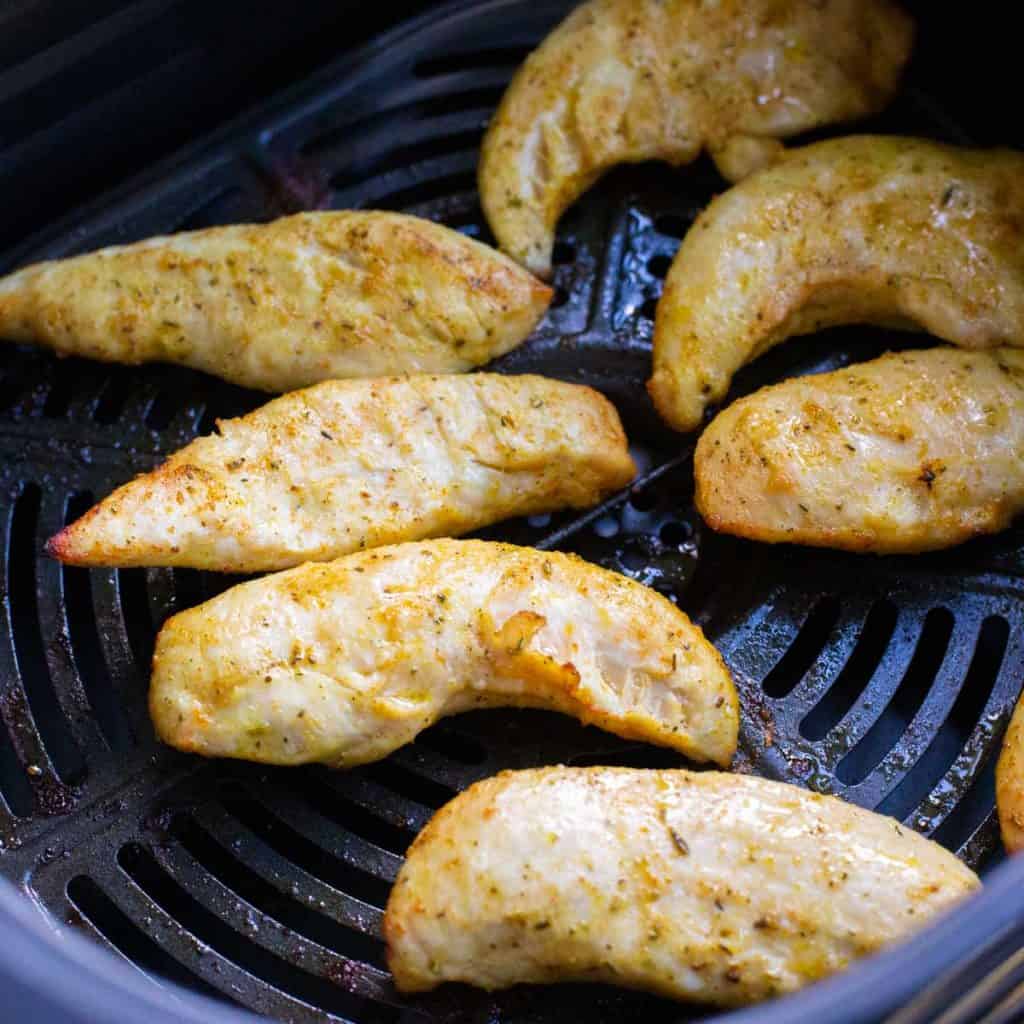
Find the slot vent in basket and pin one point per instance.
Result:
(905, 702)
(98, 911)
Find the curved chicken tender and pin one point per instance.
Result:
(1010, 783)
(869, 229)
(283, 305)
(631, 80)
(343, 662)
(911, 452)
(715, 888)
(348, 465)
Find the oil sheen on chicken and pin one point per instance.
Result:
(343, 662)
(870, 229)
(284, 305)
(715, 888)
(349, 465)
(912, 452)
(632, 80)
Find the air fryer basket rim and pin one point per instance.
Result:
(94, 987)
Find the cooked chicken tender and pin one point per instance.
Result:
(1010, 783)
(283, 305)
(343, 662)
(911, 452)
(348, 465)
(631, 80)
(870, 229)
(715, 888)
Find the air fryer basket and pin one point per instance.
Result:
(885, 681)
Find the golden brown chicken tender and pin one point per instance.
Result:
(911, 452)
(631, 80)
(343, 662)
(1010, 783)
(283, 305)
(349, 465)
(713, 888)
(868, 229)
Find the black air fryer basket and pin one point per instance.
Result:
(209, 887)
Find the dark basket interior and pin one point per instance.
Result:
(885, 681)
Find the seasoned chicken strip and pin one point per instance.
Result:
(869, 229)
(348, 465)
(1010, 783)
(631, 80)
(283, 305)
(911, 452)
(343, 662)
(722, 889)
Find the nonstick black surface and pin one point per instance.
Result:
(884, 681)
